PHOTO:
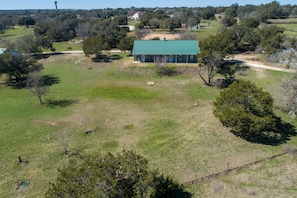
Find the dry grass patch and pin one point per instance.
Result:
(275, 178)
(161, 36)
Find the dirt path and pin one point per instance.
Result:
(248, 60)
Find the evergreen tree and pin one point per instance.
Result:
(247, 110)
(125, 174)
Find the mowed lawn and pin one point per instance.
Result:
(171, 124)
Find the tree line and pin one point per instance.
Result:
(63, 25)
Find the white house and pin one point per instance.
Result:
(137, 15)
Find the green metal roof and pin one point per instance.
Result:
(165, 47)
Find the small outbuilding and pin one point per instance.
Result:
(172, 51)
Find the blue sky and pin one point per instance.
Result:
(98, 4)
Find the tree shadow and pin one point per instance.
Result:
(50, 80)
(77, 152)
(59, 103)
(107, 58)
(167, 71)
(166, 187)
(16, 85)
(40, 56)
(280, 134)
(223, 83)
(180, 193)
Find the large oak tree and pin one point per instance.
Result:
(17, 67)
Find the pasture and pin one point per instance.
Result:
(290, 25)
(171, 124)
(15, 32)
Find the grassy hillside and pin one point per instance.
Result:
(290, 25)
(171, 124)
(15, 32)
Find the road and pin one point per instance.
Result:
(248, 60)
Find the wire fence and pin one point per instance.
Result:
(229, 170)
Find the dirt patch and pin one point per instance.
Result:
(260, 73)
(46, 122)
(161, 36)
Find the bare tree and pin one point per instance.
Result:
(289, 89)
(36, 85)
(154, 23)
(29, 44)
(86, 122)
(83, 30)
(212, 65)
(140, 33)
(64, 137)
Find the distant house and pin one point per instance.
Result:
(173, 51)
(13, 52)
(137, 16)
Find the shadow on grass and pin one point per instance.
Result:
(280, 134)
(107, 58)
(59, 103)
(77, 152)
(46, 55)
(50, 80)
(166, 187)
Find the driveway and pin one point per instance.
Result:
(247, 59)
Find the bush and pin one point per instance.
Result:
(166, 71)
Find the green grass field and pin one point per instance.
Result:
(67, 46)
(290, 25)
(19, 31)
(16, 32)
(171, 124)
(207, 28)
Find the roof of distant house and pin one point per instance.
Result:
(165, 47)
